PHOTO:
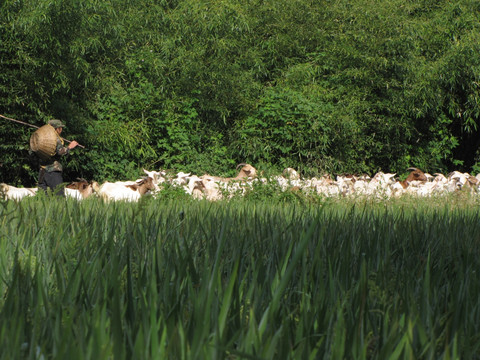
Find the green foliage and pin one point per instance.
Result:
(287, 129)
(168, 192)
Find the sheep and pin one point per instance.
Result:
(397, 189)
(380, 184)
(345, 185)
(195, 187)
(201, 188)
(420, 188)
(458, 180)
(473, 182)
(281, 181)
(121, 191)
(324, 185)
(289, 179)
(211, 190)
(319, 185)
(80, 189)
(9, 192)
(415, 175)
(158, 177)
(429, 177)
(193, 183)
(181, 179)
(290, 174)
(438, 184)
(246, 172)
(215, 188)
(361, 185)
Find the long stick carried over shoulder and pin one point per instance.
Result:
(34, 126)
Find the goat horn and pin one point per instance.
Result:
(412, 169)
(241, 164)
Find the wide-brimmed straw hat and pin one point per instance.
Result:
(56, 123)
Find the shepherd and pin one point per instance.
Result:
(50, 174)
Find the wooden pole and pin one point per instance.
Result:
(34, 126)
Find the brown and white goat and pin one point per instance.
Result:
(80, 189)
(246, 172)
(126, 191)
(415, 175)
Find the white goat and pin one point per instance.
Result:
(194, 186)
(181, 179)
(10, 192)
(290, 174)
(203, 188)
(380, 184)
(121, 191)
(211, 190)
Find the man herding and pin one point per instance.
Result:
(50, 175)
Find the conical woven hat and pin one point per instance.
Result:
(44, 141)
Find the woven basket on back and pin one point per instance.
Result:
(44, 141)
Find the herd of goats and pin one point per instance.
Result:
(384, 185)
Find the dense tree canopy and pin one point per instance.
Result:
(197, 85)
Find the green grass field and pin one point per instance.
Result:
(244, 279)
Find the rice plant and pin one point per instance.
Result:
(185, 279)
